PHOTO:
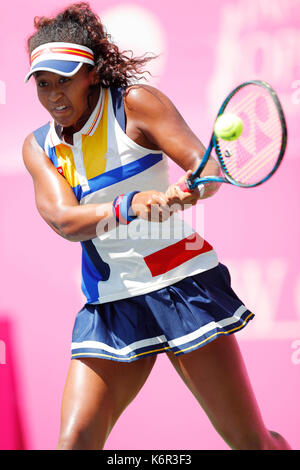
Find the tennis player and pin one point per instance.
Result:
(100, 173)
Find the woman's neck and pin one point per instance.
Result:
(66, 133)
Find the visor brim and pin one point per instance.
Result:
(60, 67)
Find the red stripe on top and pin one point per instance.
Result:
(172, 256)
(96, 117)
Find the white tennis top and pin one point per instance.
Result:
(102, 163)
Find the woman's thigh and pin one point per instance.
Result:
(217, 376)
(96, 392)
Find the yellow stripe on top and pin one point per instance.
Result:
(65, 159)
(94, 147)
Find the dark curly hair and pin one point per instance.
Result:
(78, 24)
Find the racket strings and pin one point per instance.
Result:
(253, 156)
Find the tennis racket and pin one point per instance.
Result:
(254, 157)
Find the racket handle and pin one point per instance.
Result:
(184, 187)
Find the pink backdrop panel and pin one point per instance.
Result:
(205, 50)
(12, 432)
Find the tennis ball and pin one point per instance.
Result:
(228, 127)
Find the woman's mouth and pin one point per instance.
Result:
(60, 109)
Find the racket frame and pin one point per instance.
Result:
(194, 180)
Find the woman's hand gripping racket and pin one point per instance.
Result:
(251, 158)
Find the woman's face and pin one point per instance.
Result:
(66, 98)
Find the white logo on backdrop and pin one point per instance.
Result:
(2, 92)
(257, 40)
(135, 28)
(260, 285)
(296, 92)
(296, 353)
(2, 352)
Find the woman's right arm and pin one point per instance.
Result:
(56, 201)
(58, 205)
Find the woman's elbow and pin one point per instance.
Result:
(59, 221)
(66, 232)
(66, 229)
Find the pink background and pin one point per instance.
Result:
(207, 48)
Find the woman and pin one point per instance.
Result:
(152, 284)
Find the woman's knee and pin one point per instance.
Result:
(260, 440)
(82, 438)
(73, 440)
(248, 441)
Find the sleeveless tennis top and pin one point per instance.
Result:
(102, 163)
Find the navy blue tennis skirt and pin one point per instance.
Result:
(178, 318)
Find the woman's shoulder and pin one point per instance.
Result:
(142, 94)
(146, 100)
(38, 135)
(41, 133)
(34, 145)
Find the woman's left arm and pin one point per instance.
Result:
(162, 127)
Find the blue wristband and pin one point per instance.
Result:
(125, 206)
(122, 208)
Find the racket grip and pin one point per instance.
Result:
(184, 187)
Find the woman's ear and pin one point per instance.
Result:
(94, 77)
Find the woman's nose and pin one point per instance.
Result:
(55, 96)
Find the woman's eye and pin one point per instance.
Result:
(64, 79)
(42, 84)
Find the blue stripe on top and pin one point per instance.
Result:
(77, 190)
(123, 172)
(94, 269)
(53, 156)
(40, 134)
(118, 106)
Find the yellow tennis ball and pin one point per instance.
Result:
(228, 127)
